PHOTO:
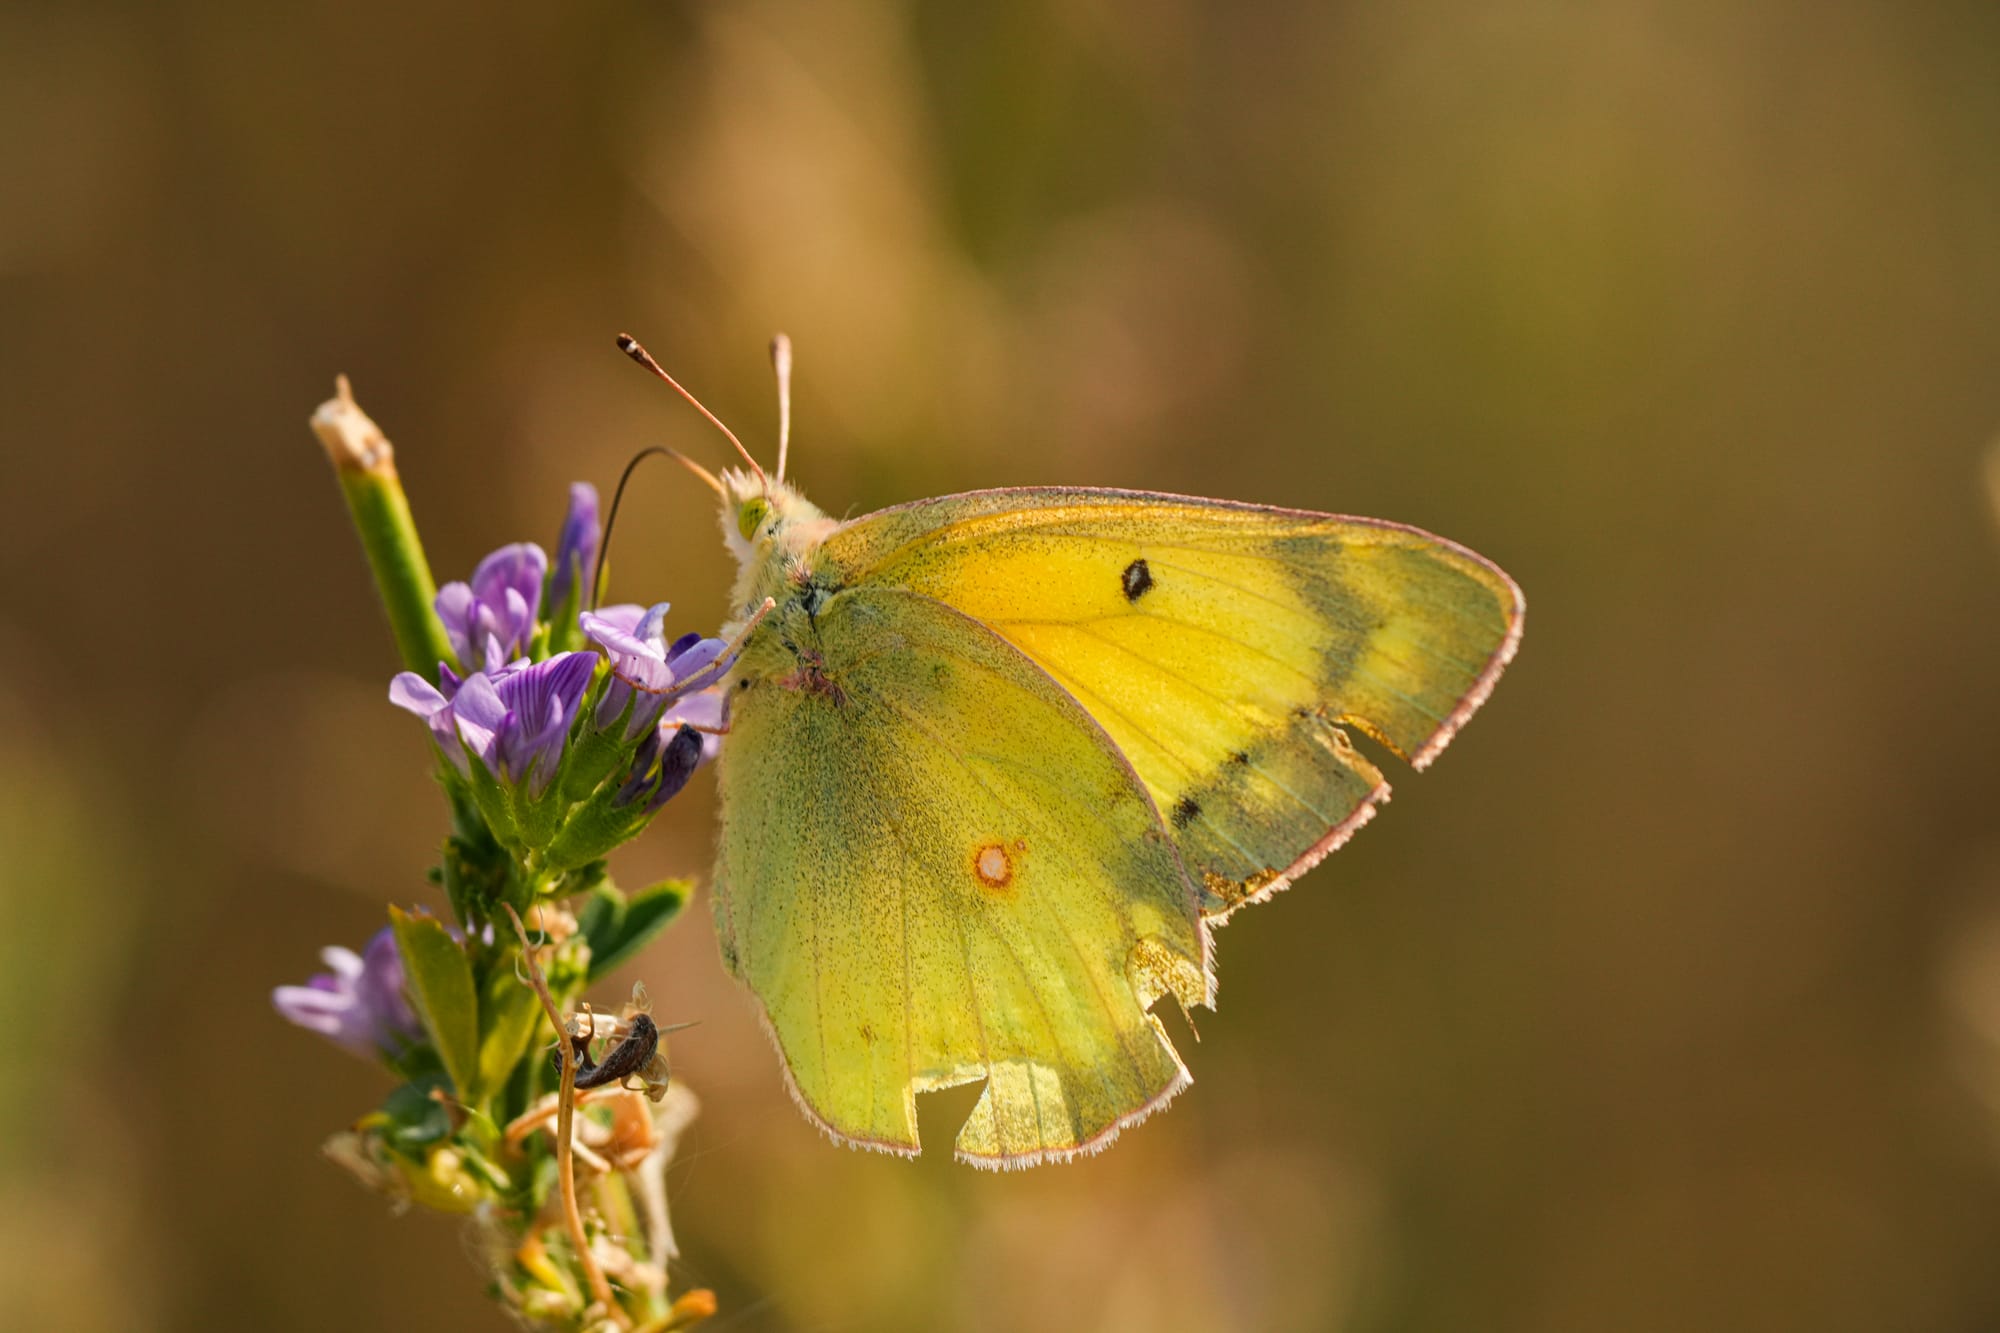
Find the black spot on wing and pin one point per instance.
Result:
(1135, 580)
(1184, 811)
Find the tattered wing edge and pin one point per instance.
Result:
(813, 1117)
(1335, 839)
(1095, 1144)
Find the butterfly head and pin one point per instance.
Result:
(767, 524)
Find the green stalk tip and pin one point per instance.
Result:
(366, 465)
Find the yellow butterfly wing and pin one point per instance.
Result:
(935, 868)
(1221, 646)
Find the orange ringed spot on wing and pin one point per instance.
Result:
(993, 865)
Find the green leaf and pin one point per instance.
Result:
(509, 1013)
(414, 1119)
(593, 757)
(537, 818)
(594, 828)
(597, 752)
(602, 915)
(616, 937)
(495, 805)
(474, 868)
(440, 982)
(591, 877)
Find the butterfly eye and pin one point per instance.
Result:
(750, 517)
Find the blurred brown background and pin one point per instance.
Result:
(1669, 1000)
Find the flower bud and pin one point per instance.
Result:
(575, 568)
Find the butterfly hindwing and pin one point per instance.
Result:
(906, 882)
(1223, 648)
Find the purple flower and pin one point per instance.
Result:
(576, 549)
(517, 721)
(359, 1004)
(490, 620)
(667, 758)
(662, 674)
(432, 703)
(515, 718)
(414, 694)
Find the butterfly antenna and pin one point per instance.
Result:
(630, 346)
(618, 498)
(781, 361)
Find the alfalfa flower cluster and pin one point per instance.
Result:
(560, 728)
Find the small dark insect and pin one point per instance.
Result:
(628, 1057)
(641, 1054)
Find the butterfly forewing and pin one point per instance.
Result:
(1222, 648)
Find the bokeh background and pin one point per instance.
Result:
(1670, 999)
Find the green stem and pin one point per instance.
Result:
(366, 466)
